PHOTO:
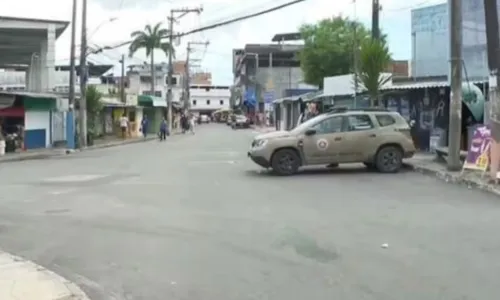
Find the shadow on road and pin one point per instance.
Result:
(323, 171)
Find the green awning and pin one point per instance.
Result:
(151, 101)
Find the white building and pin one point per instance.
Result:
(209, 98)
(139, 78)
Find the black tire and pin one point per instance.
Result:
(389, 159)
(285, 162)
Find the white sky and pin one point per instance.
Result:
(217, 57)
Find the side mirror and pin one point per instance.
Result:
(310, 132)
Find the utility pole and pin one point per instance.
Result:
(188, 65)
(355, 56)
(454, 163)
(493, 46)
(375, 19)
(83, 79)
(70, 117)
(172, 19)
(122, 80)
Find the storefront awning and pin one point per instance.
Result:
(113, 102)
(151, 101)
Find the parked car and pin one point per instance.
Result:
(378, 138)
(204, 119)
(241, 121)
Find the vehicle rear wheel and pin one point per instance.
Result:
(389, 159)
(285, 162)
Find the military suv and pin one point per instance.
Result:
(376, 137)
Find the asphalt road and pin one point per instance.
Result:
(193, 218)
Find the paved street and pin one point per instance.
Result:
(193, 218)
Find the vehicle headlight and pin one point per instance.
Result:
(259, 143)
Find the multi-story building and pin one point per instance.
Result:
(139, 79)
(209, 98)
(267, 69)
(430, 27)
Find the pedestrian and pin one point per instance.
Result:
(163, 129)
(184, 123)
(144, 126)
(124, 125)
(191, 124)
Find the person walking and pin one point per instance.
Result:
(192, 124)
(163, 129)
(144, 126)
(124, 125)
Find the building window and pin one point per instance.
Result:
(194, 102)
(221, 102)
(208, 102)
(158, 94)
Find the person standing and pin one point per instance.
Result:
(145, 126)
(163, 129)
(124, 125)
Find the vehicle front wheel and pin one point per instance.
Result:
(285, 162)
(389, 159)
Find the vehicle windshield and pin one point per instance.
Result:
(307, 124)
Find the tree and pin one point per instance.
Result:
(374, 58)
(328, 48)
(94, 108)
(150, 39)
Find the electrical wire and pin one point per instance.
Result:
(213, 26)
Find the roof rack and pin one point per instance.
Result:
(341, 109)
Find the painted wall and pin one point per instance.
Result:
(430, 36)
(206, 98)
(35, 122)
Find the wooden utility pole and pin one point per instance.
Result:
(122, 80)
(70, 133)
(375, 19)
(454, 135)
(172, 19)
(83, 79)
(493, 46)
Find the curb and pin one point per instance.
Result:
(73, 291)
(63, 152)
(455, 178)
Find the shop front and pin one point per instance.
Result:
(155, 108)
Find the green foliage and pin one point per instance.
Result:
(94, 107)
(328, 48)
(149, 39)
(374, 58)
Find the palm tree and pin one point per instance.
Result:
(150, 39)
(374, 59)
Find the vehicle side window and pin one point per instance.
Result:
(330, 125)
(385, 120)
(359, 122)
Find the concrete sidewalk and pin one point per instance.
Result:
(47, 153)
(24, 280)
(427, 164)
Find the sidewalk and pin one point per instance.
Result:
(24, 280)
(47, 153)
(427, 164)
(263, 129)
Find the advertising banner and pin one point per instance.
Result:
(478, 154)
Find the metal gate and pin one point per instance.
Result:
(58, 126)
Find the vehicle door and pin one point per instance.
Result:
(322, 146)
(360, 138)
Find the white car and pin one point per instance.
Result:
(204, 119)
(241, 122)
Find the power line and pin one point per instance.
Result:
(208, 27)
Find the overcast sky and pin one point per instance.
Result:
(133, 15)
